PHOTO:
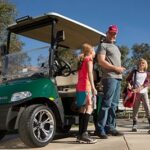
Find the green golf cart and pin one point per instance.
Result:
(37, 88)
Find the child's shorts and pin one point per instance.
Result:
(83, 98)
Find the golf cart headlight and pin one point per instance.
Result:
(20, 95)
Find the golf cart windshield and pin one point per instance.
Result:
(24, 64)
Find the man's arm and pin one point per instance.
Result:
(105, 64)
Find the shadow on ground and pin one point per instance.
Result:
(12, 141)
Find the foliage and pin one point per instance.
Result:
(124, 56)
(69, 56)
(125, 59)
(7, 17)
(141, 51)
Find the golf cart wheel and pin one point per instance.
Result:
(2, 134)
(37, 126)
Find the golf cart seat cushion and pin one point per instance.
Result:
(67, 85)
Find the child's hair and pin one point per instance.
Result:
(86, 50)
(145, 62)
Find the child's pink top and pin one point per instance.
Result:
(83, 78)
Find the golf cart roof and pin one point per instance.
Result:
(39, 28)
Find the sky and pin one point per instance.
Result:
(131, 16)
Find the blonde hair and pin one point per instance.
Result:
(145, 62)
(87, 49)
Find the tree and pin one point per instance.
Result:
(69, 56)
(126, 61)
(141, 50)
(125, 58)
(7, 16)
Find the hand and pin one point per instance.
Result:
(129, 86)
(94, 91)
(120, 69)
(137, 90)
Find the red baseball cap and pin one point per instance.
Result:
(113, 28)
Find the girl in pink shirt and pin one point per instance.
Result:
(84, 90)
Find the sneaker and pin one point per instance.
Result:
(134, 128)
(86, 139)
(102, 136)
(148, 127)
(78, 138)
(95, 133)
(115, 133)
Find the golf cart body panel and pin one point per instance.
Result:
(41, 87)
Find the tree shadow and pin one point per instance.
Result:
(12, 141)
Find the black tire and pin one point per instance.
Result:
(37, 126)
(2, 134)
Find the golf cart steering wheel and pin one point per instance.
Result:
(61, 67)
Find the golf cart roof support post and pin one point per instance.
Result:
(8, 42)
(52, 48)
(6, 51)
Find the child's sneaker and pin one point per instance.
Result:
(86, 139)
(134, 128)
(78, 138)
(149, 129)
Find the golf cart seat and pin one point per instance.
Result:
(67, 85)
